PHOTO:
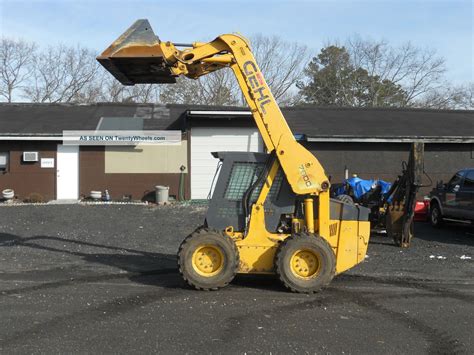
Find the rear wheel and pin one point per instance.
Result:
(436, 218)
(305, 263)
(208, 259)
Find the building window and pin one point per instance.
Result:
(4, 161)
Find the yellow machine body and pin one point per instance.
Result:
(348, 239)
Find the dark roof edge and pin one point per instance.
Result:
(393, 139)
(68, 104)
(237, 108)
(308, 138)
(218, 109)
(31, 137)
(392, 109)
(31, 134)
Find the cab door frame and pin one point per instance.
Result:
(450, 195)
(465, 196)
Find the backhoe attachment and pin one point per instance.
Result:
(401, 208)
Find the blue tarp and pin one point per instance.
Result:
(360, 186)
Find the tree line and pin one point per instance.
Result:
(356, 73)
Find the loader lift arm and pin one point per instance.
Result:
(139, 56)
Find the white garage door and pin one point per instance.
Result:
(205, 140)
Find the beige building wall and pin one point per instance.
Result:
(146, 159)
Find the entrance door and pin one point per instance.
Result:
(67, 172)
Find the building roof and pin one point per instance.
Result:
(120, 124)
(320, 122)
(317, 123)
(18, 119)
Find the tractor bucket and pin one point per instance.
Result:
(136, 57)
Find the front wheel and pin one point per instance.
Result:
(305, 263)
(208, 259)
(436, 218)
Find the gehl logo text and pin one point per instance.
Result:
(257, 83)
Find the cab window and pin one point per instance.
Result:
(469, 181)
(456, 180)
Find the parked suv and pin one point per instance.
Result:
(453, 201)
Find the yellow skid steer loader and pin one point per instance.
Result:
(269, 213)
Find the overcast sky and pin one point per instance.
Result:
(446, 26)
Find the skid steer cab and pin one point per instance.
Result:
(270, 213)
(255, 224)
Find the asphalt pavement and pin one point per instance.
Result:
(103, 279)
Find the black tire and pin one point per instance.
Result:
(346, 199)
(208, 244)
(295, 246)
(436, 218)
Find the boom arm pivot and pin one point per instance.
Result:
(138, 56)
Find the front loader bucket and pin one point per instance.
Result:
(136, 57)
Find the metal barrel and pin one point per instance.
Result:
(161, 194)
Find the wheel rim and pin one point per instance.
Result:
(208, 260)
(305, 264)
(434, 216)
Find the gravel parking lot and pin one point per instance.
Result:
(103, 279)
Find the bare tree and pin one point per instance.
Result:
(282, 63)
(418, 71)
(185, 91)
(111, 90)
(218, 88)
(15, 69)
(142, 93)
(467, 100)
(449, 97)
(375, 74)
(62, 74)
